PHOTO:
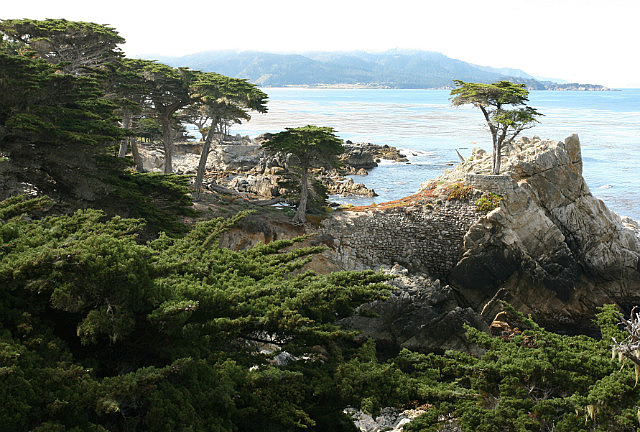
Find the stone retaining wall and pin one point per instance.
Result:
(499, 184)
(419, 238)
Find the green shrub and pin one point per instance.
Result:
(100, 332)
(488, 201)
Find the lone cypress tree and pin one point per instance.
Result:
(504, 107)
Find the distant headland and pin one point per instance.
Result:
(397, 69)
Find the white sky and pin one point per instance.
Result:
(587, 41)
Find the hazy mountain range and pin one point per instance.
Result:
(390, 69)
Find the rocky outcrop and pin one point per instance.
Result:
(367, 155)
(424, 238)
(389, 420)
(347, 187)
(267, 186)
(242, 165)
(551, 249)
(186, 157)
(420, 314)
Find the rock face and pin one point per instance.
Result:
(551, 249)
(187, 156)
(420, 314)
(347, 187)
(424, 239)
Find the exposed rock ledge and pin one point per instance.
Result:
(551, 249)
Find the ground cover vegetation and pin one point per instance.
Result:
(103, 330)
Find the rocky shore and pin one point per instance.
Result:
(240, 164)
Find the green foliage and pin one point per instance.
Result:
(306, 147)
(488, 201)
(310, 145)
(158, 199)
(52, 126)
(101, 332)
(530, 380)
(365, 383)
(52, 108)
(75, 47)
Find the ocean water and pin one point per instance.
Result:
(429, 130)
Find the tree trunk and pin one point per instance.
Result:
(495, 166)
(496, 159)
(136, 155)
(167, 141)
(126, 124)
(300, 217)
(197, 186)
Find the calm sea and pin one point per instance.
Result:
(429, 129)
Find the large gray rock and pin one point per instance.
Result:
(258, 184)
(367, 155)
(389, 420)
(551, 249)
(347, 187)
(235, 157)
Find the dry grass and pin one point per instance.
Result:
(419, 198)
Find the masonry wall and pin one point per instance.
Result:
(499, 184)
(419, 238)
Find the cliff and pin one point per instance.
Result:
(550, 248)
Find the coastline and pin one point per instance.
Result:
(423, 120)
(380, 86)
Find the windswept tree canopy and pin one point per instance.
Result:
(308, 146)
(505, 109)
(57, 136)
(220, 102)
(169, 90)
(75, 47)
(311, 146)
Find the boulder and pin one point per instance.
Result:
(266, 186)
(390, 419)
(347, 188)
(367, 156)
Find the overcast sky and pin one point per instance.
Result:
(587, 41)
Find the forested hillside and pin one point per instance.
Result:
(390, 69)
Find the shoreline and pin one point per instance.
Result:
(374, 86)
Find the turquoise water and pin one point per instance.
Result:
(429, 129)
